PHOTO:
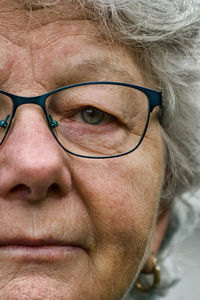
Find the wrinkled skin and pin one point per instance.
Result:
(107, 208)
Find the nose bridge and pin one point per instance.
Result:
(30, 154)
(19, 101)
(27, 118)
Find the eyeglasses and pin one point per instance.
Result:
(100, 119)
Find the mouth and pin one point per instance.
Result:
(38, 250)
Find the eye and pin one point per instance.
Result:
(92, 115)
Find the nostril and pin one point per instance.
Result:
(54, 189)
(21, 189)
(36, 193)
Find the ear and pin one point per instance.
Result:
(159, 232)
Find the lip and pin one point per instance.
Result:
(38, 250)
(36, 242)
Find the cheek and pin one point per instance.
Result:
(121, 197)
(118, 193)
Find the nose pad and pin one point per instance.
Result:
(4, 126)
(53, 123)
(4, 123)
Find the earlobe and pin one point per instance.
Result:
(156, 278)
(151, 266)
(159, 232)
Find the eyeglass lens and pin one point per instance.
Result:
(99, 120)
(92, 120)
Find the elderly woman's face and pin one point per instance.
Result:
(70, 228)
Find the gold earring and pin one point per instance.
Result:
(156, 278)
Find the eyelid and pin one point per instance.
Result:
(74, 104)
(107, 117)
(73, 107)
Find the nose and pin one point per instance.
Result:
(33, 166)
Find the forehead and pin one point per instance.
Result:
(60, 44)
(19, 16)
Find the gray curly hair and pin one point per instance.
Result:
(166, 37)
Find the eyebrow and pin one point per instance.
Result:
(97, 70)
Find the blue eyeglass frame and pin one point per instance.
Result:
(154, 99)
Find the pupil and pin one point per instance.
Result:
(92, 115)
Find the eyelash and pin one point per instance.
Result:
(104, 117)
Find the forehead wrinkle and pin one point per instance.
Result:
(97, 69)
(15, 17)
(38, 4)
(60, 9)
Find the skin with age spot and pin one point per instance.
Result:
(103, 212)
